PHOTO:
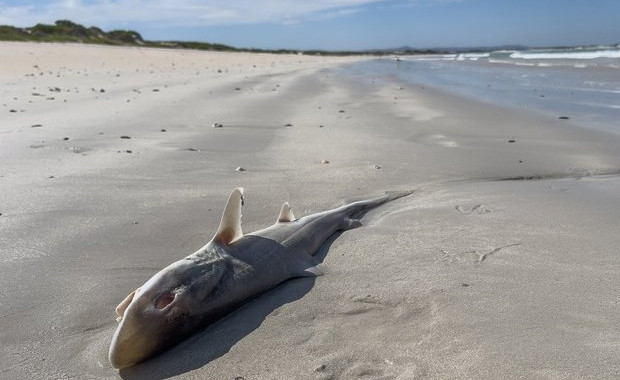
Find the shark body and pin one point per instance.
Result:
(228, 271)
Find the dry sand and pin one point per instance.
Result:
(504, 263)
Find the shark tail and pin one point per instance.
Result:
(356, 210)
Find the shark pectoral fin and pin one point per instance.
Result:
(286, 214)
(315, 271)
(307, 269)
(230, 225)
(120, 309)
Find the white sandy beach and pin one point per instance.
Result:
(502, 265)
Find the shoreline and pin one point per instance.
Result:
(467, 278)
(584, 95)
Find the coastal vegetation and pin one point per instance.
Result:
(68, 31)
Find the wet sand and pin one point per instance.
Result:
(503, 264)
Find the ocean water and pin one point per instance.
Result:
(582, 84)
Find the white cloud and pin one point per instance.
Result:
(70, 4)
(109, 13)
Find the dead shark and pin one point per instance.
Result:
(228, 271)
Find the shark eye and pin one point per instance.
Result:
(164, 301)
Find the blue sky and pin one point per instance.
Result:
(339, 24)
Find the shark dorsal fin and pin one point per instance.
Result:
(286, 214)
(230, 225)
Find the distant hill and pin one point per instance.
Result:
(68, 31)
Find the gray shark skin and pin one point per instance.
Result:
(228, 271)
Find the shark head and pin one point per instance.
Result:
(148, 319)
(164, 310)
(176, 300)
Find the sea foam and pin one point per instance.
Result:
(566, 54)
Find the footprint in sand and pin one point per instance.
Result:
(477, 209)
(353, 368)
(473, 255)
(366, 371)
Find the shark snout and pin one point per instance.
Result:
(134, 340)
(143, 329)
